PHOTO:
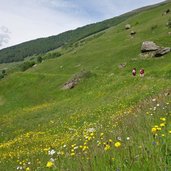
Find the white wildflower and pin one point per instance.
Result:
(51, 152)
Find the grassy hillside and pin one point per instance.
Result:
(43, 45)
(109, 121)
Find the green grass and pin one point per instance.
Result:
(36, 114)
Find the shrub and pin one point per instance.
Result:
(154, 27)
(1, 76)
(52, 55)
(26, 65)
(39, 59)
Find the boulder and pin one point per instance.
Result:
(149, 46)
(69, 85)
(162, 51)
(127, 26)
(76, 79)
(121, 66)
(132, 33)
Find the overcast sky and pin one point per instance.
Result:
(23, 20)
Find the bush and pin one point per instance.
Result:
(1, 76)
(39, 59)
(52, 55)
(26, 65)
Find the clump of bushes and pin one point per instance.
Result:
(26, 65)
(2, 73)
(39, 59)
(52, 55)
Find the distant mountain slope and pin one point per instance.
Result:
(42, 45)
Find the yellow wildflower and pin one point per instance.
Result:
(113, 158)
(158, 129)
(73, 145)
(117, 144)
(27, 169)
(163, 135)
(154, 130)
(89, 138)
(92, 134)
(169, 132)
(85, 148)
(101, 134)
(107, 147)
(110, 140)
(72, 154)
(49, 164)
(163, 119)
(162, 124)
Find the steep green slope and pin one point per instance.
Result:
(40, 46)
(37, 115)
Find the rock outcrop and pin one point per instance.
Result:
(133, 33)
(127, 26)
(121, 66)
(76, 79)
(149, 48)
(162, 51)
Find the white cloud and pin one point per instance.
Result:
(30, 19)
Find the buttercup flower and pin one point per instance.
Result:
(117, 144)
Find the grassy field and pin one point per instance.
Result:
(109, 121)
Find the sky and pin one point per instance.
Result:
(24, 20)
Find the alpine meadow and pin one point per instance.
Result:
(70, 102)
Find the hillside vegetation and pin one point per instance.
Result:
(109, 121)
(42, 45)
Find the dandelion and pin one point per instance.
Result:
(73, 154)
(163, 119)
(73, 145)
(162, 124)
(27, 169)
(163, 135)
(89, 138)
(117, 144)
(92, 134)
(110, 140)
(154, 130)
(85, 148)
(158, 129)
(169, 132)
(101, 134)
(107, 147)
(49, 164)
